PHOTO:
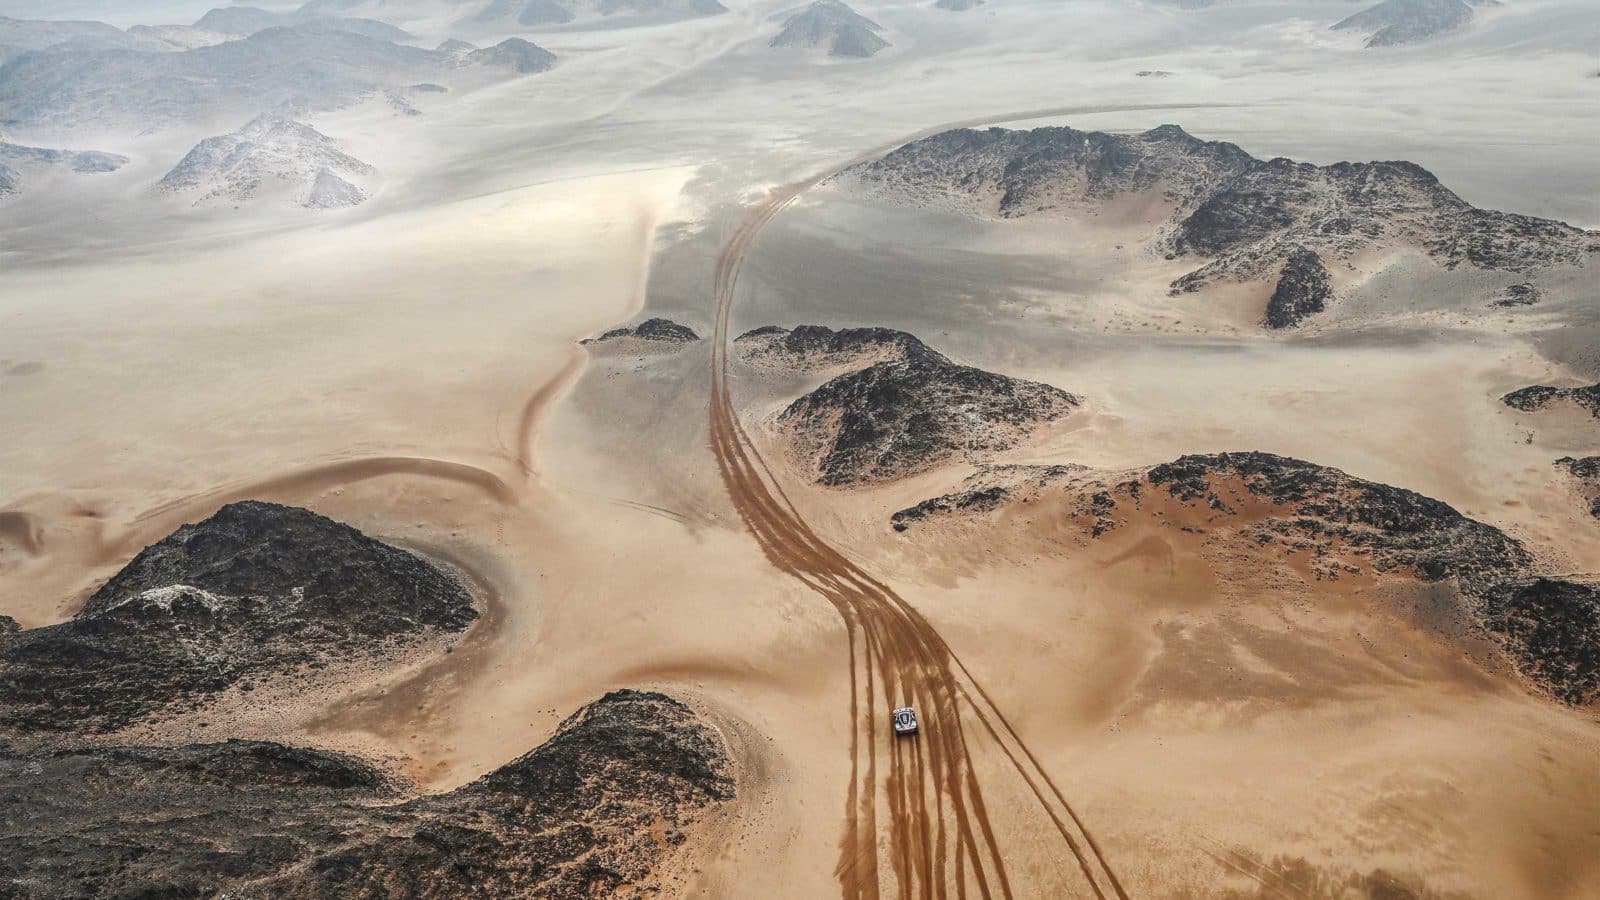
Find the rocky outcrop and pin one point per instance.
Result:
(656, 331)
(594, 811)
(809, 348)
(1524, 294)
(516, 54)
(833, 26)
(1540, 396)
(1242, 216)
(958, 5)
(535, 13)
(1551, 628)
(1395, 22)
(256, 591)
(243, 21)
(1586, 470)
(1302, 291)
(271, 155)
(1248, 509)
(17, 162)
(910, 413)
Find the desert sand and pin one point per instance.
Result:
(1127, 718)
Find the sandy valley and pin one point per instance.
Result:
(1207, 456)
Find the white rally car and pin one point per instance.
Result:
(904, 720)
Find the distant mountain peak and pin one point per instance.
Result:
(833, 26)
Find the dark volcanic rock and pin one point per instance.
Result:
(1587, 471)
(1246, 504)
(663, 331)
(1302, 290)
(1243, 215)
(909, 413)
(1524, 294)
(256, 589)
(816, 346)
(1552, 629)
(1540, 396)
(589, 813)
(834, 26)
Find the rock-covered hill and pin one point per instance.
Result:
(18, 36)
(1395, 22)
(809, 348)
(660, 332)
(1241, 218)
(594, 811)
(520, 56)
(833, 26)
(271, 156)
(1257, 509)
(905, 413)
(256, 591)
(18, 162)
(305, 67)
(243, 21)
(1542, 396)
(534, 13)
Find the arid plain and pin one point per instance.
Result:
(1165, 693)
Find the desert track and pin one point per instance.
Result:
(940, 840)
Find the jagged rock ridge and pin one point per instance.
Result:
(833, 26)
(1246, 217)
(1541, 396)
(257, 590)
(909, 412)
(305, 67)
(1395, 22)
(1342, 525)
(271, 154)
(657, 330)
(815, 347)
(592, 812)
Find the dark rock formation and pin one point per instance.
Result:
(834, 26)
(910, 413)
(516, 54)
(1540, 396)
(664, 331)
(1549, 628)
(1395, 22)
(1244, 216)
(1302, 290)
(256, 590)
(817, 347)
(592, 812)
(1524, 294)
(1552, 629)
(1587, 471)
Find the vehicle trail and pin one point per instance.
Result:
(936, 814)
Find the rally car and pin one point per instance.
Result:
(904, 720)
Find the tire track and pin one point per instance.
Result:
(936, 815)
